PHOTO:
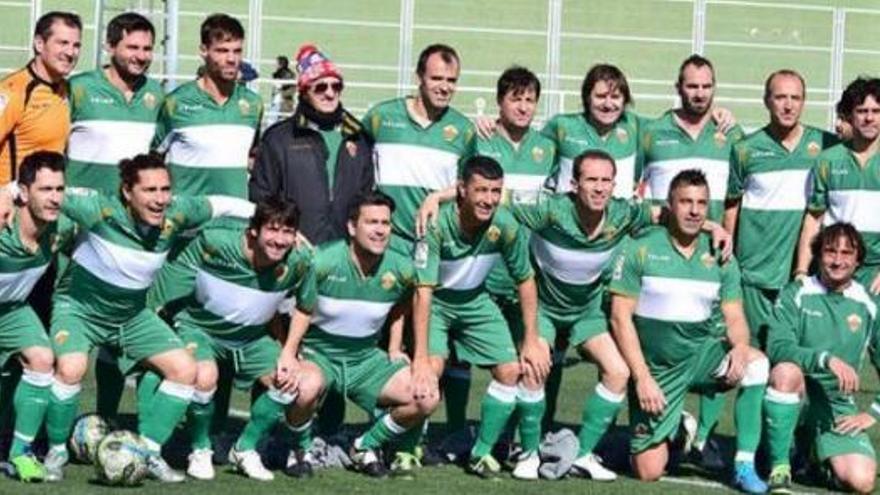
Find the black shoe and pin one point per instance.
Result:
(368, 462)
(299, 465)
(710, 458)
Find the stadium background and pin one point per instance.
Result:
(376, 43)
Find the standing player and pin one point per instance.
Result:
(819, 332)
(36, 232)
(767, 194)
(688, 138)
(207, 127)
(361, 287)
(469, 238)
(126, 241)
(665, 288)
(242, 274)
(844, 183)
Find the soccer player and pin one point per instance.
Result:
(688, 138)
(470, 236)
(243, 271)
(844, 185)
(666, 285)
(33, 100)
(208, 126)
(819, 332)
(125, 241)
(362, 286)
(767, 195)
(36, 232)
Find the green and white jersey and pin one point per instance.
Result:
(526, 168)
(411, 160)
(351, 307)
(208, 144)
(668, 150)
(117, 258)
(676, 295)
(231, 300)
(458, 266)
(811, 324)
(20, 266)
(773, 185)
(106, 128)
(574, 134)
(571, 264)
(847, 192)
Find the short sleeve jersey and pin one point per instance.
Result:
(117, 258)
(231, 300)
(457, 265)
(106, 128)
(847, 192)
(411, 160)
(526, 168)
(571, 264)
(810, 324)
(208, 144)
(20, 266)
(676, 295)
(773, 184)
(668, 150)
(351, 307)
(574, 134)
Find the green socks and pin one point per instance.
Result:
(109, 384)
(146, 389)
(198, 418)
(781, 415)
(456, 389)
(530, 405)
(301, 435)
(747, 410)
(600, 410)
(265, 413)
(61, 413)
(31, 401)
(384, 430)
(497, 406)
(168, 406)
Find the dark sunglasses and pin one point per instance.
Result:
(321, 87)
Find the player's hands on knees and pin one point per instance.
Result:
(534, 359)
(853, 425)
(847, 378)
(651, 398)
(724, 119)
(738, 359)
(425, 384)
(287, 372)
(396, 355)
(485, 126)
(427, 214)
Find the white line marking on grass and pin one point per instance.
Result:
(710, 484)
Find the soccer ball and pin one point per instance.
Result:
(121, 459)
(88, 432)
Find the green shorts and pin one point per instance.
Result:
(698, 373)
(143, 336)
(250, 361)
(819, 415)
(360, 377)
(20, 328)
(476, 329)
(758, 307)
(578, 328)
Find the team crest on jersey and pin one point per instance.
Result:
(854, 322)
(388, 280)
(720, 139)
(640, 430)
(622, 135)
(281, 272)
(106, 212)
(167, 228)
(61, 337)
(493, 233)
(450, 132)
(707, 260)
(609, 233)
(537, 154)
(149, 100)
(244, 106)
(813, 148)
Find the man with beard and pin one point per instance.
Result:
(688, 138)
(320, 158)
(767, 195)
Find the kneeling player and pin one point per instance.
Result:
(820, 329)
(361, 285)
(664, 287)
(241, 274)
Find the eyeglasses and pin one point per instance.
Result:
(322, 87)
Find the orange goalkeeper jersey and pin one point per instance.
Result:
(34, 116)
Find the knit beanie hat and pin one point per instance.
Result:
(312, 65)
